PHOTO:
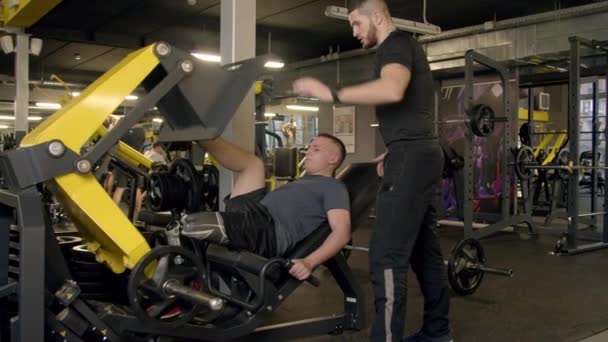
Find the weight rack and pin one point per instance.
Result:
(506, 218)
(574, 217)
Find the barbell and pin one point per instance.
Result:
(481, 119)
(525, 164)
(466, 266)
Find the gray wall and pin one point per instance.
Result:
(366, 137)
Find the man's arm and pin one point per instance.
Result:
(339, 221)
(389, 88)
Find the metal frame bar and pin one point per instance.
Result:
(556, 209)
(7, 287)
(26, 201)
(531, 116)
(506, 218)
(352, 318)
(291, 330)
(572, 245)
(605, 222)
(31, 284)
(595, 141)
(113, 136)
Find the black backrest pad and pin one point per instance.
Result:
(285, 160)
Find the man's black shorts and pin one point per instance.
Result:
(249, 225)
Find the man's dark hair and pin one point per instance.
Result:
(157, 144)
(338, 143)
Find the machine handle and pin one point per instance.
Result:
(312, 280)
(173, 288)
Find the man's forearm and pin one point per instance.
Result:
(375, 92)
(330, 247)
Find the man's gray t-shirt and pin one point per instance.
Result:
(300, 207)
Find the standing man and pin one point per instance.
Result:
(404, 234)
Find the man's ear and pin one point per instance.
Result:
(334, 158)
(377, 18)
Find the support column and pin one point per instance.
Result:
(237, 42)
(22, 70)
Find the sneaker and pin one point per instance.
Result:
(422, 337)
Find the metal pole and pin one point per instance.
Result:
(605, 225)
(469, 174)
(506, 143)
(531, 116)
(22, 55)
(594, 150)
(574, 137)
(237, 42)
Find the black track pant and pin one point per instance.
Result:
(405, 234)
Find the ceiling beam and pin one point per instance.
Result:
(99, 38)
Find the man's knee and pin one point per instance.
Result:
(205, 226)
(255, 164)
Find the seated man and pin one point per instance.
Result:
(270, 224)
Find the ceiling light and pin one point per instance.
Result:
(75, 94)
(159, 120)
(131, 97)
(274, 64)
(270, 115)
(402, 24)
(35, 46)
(3, 126)
(29, 118)
(303, 108)
(374, 125)
(207, 57)
(48, 105)
(7, 44)
(77, 56)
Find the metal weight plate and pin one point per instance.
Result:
(525, 156)
(157, 190)
(184, 170)
(211, 187)
(482, 120)
(147, 297)
(66, 242)
(463, 279)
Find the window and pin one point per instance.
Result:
(306, 128)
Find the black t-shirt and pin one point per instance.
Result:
(412, 118)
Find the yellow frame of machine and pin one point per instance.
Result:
(109, 233)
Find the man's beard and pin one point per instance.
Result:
(371, 40)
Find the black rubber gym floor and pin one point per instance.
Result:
(550, 298)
